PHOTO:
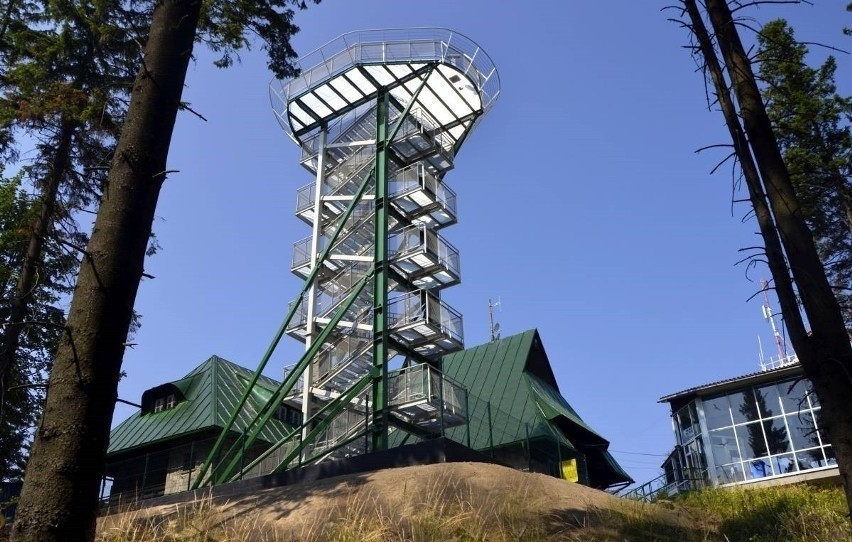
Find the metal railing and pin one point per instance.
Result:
(415, 177)
(424, 382)
(420, 239)
(668, 485)
(355, 240)
(329, 299)
(390, 46)
(421, 306)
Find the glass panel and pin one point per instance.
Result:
(743, 407)
(757, 468)
(810, 459)
(684, 422)
(768, 401)
(723, 446)
(727, 474)
(784, 464)
(697, 448)
(751, 440)
(793, 394)
(776, 436)
(693, 414)
(717, 413)
(802, 430)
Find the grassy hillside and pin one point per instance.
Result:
(475, 502)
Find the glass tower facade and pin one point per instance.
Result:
(760, 428)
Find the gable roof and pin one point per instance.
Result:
(514, 375)
(493, 373)
(211, 391)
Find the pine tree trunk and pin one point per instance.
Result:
(775, 257)
(28, 277)
(59, 498)
(825, 353)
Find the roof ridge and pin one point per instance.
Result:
(214, 387)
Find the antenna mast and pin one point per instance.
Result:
(768, 315)
(495, 327)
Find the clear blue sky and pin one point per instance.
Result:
(582, 206)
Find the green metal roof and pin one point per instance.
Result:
(494, 373)
(211, 391)
(514, 375)
(557, 410)
(553, 406)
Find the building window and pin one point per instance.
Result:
(165, 403)
(768, 430)
(694, 465)
(687, 421)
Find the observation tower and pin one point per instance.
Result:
(379, 117)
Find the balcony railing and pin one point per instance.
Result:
(424, 258)
(421, 196)
(422, 321)
(421, 395)
(415, 45)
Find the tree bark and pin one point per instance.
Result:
(775, 257)
(27, 280)
(825, 353)
(60, 495)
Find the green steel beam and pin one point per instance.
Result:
(384, 139)
(380, 278)
(339, 445)
(269, 408)
(283, 328)
(392, 134)
(457, 145)
(318, 416)
(266, 413)
(340, 404)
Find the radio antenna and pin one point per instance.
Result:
(495, 327)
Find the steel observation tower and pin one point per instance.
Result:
(379, 116)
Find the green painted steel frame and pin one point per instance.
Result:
(290, 381)
(325, 416)
(380, 280)
(384, 139)
(267, 412)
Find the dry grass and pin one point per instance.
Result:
(199, 521)
(449, 509)
(485, 503)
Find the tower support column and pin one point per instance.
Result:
(310, 332)
(380, 279)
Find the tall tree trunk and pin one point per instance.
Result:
(775, 257)
(59, 498)
(825, 353)
(27, 280)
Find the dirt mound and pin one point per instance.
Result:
(428, 502)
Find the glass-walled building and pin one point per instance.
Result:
(764, 426)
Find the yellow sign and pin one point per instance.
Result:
(569, 470)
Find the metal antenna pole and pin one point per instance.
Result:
(767, 314)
